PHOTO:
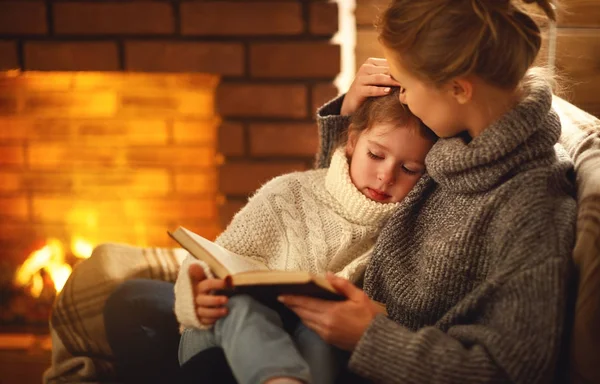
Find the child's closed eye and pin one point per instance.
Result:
(410, 171)
(374, 156)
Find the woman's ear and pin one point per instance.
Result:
(351, 143)
(461, 90)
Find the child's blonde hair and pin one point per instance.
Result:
(442, 39)
(386, 109)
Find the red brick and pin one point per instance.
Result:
(89, 18)
(71, 56)
(8, 55)
(273, 139)
(200, 131)
(8, 104)
(197, 182)
(295, 60)
(38, 103)
(244, 178)
(323, 18)
(188, 156)
(22, 17)
(117, 211)
(228, 210)
(221, 58)
(14, 207)
(98, 182)
(241, 18)
(322, 93)
(231, 139)
(262, 100)
(10, 181)
(12, 155)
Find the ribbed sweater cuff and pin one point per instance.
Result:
(185, 309)
(372, 357)
(332, 125)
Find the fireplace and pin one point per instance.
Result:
(120, 120)
(94, 157)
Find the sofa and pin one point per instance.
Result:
(81, 353)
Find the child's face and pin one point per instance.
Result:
(436, 107)
(387, 161)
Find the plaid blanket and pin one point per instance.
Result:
(80, 351)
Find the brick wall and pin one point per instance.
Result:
(577, 50)
(274, 60)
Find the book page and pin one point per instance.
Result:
(233, 262)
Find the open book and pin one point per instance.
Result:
(244, 275)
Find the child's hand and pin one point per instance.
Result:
(208, 307)
(372, 79)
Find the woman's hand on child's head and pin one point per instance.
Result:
(208, 306)
(372, 79)
(341, 323)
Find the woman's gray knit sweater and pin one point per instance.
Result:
(474, 265)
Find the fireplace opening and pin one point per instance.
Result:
(94, 157)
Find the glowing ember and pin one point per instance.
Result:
(50, 259)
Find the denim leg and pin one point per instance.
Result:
(194, 341)
(142, 330)
(325, 360)
(256, 345)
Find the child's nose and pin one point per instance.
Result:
(387, 177)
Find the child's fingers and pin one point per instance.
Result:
(210, 315)
(196, 273)
(205, 286)
(210, 300)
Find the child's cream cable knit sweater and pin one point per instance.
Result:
(314, 221)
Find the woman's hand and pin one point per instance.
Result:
(341, 323)
(208, 307)
(372, 79)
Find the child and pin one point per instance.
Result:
(318, 221)
(474, 266)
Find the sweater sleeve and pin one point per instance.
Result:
(514, 336)
(332, 127)
(184, 294)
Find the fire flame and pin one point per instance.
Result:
(51, 259)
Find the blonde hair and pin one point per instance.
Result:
(385, 109)
(442, 39)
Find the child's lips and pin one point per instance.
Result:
(377, 195)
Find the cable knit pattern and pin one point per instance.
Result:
(314, 221)
(474, 264)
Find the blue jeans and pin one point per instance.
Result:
(142, 331)
(262, 343)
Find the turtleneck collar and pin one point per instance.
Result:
(526, 133)
(357, 207)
